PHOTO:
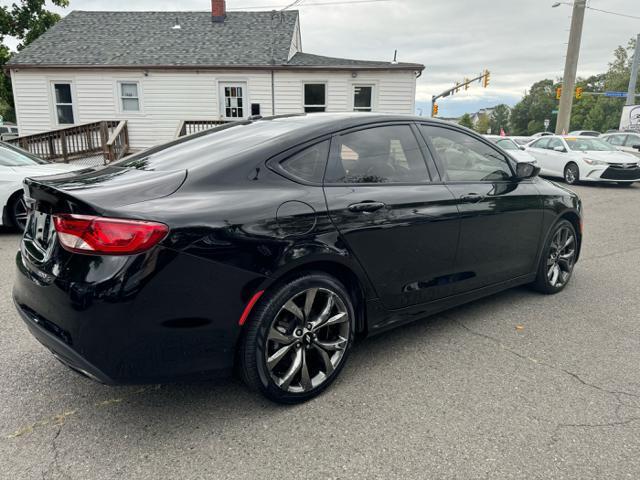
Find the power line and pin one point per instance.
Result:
(284, 7)
(292, 4)
(614, 13)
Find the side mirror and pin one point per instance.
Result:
(522, 147)
(559, 149)
(637, 147)
(526, 170)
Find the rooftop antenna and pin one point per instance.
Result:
(395, 57)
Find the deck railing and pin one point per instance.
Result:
(187, 127)
(79, 141)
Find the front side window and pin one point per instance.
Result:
(388, 154)
(542, 143)
(63, 100)
(129, 97)
(363, 98)
(507, 144)
(554, 143)
(315, 97)
(465, 158)
(309, 164)
(632, 140)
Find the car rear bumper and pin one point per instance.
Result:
(179, 322)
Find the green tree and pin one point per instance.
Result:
(466, 121)
(500, 118)
(25, 20)
(483, 125)
(528, 116)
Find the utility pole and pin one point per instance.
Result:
(571, 67)
(631, 95)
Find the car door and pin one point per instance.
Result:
(632, 141)
(538, 150)
(501, 217)
(391, 212)
(555, 159)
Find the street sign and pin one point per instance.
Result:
(554, 112)
(547, 122)
(615, 94)
(1, 120)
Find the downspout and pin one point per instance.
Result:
(273, 93)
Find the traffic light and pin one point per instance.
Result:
(558, 93)
(486, 79)
(434, 112)
(466, 84)
(579, 91)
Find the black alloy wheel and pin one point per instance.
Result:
(571, 174)
(19, 213)
(298, 338)
(558, 260)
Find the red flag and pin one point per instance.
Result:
(502, 134)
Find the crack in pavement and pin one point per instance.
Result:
(617, 394)
(54, 464)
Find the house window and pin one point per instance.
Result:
(63, 103)
(234, 103)
(129, 97)
(315, 97)
(363, 98)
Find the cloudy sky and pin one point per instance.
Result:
(519, 41)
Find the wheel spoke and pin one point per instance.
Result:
(324, 314)
(556, 274)
(275, 359)
(294, 309)
(277, 336)
(326, 360)
(308, 302)
(339, 344)
(286, 380)
(568, 242)
(305, 379)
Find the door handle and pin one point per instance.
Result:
(366, 207)
(472, 197)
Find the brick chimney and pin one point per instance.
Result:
(218, 11)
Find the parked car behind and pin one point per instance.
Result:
(627, 142)
(584, 159)
(271, 244)
(8, 133)
(512, 148)
(15, 165)
(584, 133)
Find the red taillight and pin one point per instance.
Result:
(107, 236)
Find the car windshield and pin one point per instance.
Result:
(587, 144)
(506, 144)
(15, 157)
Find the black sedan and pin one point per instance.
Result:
(269, 245)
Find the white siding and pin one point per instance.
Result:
(169, 96)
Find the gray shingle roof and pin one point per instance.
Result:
(310, 60)
(146, 38)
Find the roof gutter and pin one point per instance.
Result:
(406, 66)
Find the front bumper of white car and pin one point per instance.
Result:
(614, 173)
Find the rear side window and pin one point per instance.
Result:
(387, 154)
(309, 164)
(616, 140)
(632, 140)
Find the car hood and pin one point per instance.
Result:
(522, 156)
(611, 157)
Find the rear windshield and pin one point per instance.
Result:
(202, 149)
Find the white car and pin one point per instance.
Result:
(16, 165)
(517, 152)
(584, 133)
(584, 159)
(625, 141)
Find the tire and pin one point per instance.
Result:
(571, 174)
(302, 324)
(558, 255)
(18, 212)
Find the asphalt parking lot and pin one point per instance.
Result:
(517, 385)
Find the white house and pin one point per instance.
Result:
(157, 69)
